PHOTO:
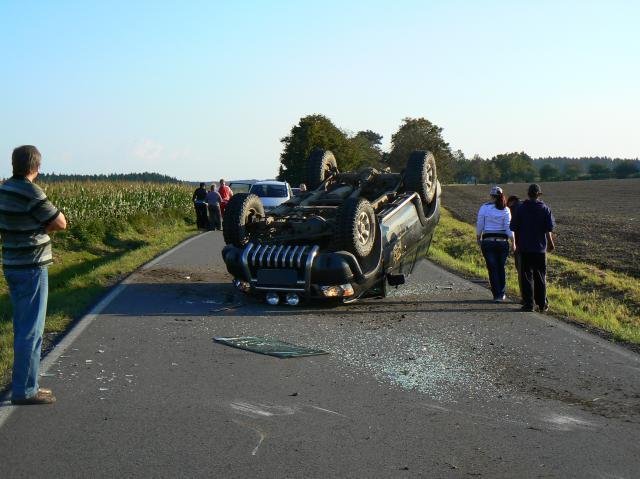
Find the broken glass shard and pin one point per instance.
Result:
(270, 347)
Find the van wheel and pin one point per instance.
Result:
(242, 209)
(420, 175)
(320, 165)
(357, 225)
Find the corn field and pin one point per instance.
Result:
(108, 200)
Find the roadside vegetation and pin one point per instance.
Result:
(113, 229)
(579, 292)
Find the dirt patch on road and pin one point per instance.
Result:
(178, 275)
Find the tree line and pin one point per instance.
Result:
(354, 151)
(145, 177)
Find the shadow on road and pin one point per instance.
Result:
(213, 299)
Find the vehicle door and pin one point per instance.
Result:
(402, 235)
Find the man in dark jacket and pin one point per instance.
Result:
(533, 225)
(200, 203)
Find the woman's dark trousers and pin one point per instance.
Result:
(495, 254)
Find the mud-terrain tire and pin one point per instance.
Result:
(319, 165)
(240, 210)
(420, 175)
(356, 224)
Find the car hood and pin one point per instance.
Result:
(269, 202)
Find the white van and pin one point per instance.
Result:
(271, 192)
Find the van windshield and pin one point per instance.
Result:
(239, 187)
(269, 191)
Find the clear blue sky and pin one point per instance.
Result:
(203, 90)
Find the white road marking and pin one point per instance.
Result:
(563, 422)
(262, 435)
(329, 411)
(262, 410)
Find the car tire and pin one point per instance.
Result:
(420, 175)
(320, 165)
(240, 211)
(357, 225)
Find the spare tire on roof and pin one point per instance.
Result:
(240, 211)
(320, 165)
(420, 175)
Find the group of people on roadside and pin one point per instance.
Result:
(525, 228)
(209, 205)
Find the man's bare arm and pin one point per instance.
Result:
(59, 223)
(550, 244)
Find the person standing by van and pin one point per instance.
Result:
(213, 205)
(225, 193)
(493, 235)
(199, 199)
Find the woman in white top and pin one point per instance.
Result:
(493, 235)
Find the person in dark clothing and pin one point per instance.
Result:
(513, 202)
(213, 205)
(200, 203)
(533, 225)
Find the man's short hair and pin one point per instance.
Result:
(201, 185)
(25, 159)
(534, 190)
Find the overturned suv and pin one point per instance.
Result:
(351, 235)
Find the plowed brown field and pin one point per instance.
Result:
(598, 222)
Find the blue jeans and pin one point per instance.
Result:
(495, 254)
(28, 289)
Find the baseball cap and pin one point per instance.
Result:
(495, 191)
(534, 189)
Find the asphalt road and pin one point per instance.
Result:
(434, 381)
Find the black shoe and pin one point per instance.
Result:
(527, 309)
(543, 309)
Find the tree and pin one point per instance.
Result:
(312, 131)
(367, 152)
(317, 131)
(548, 172)
(421, 134)
(489, 173)
(572, 171)
(462, 168)
(514, 167)
(374, 140)
(625, 168)
(598, 171)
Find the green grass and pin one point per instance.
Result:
(89, 258)
(595, 297)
